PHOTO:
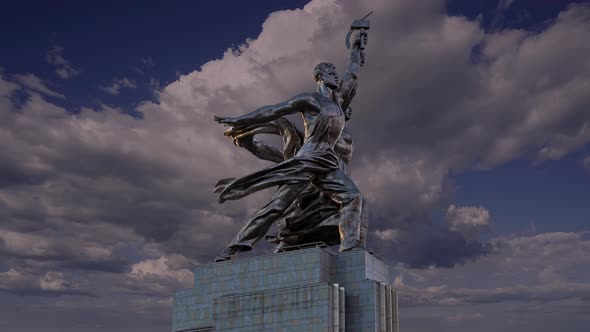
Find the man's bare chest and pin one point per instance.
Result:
(329, 108)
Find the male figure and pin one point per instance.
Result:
(315, 162)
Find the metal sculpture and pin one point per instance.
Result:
(315, 198)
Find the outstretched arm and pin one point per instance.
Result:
(300, 103)
(347, 88)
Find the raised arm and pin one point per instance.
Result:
(300, 103)
(347, 88)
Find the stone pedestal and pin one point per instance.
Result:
(314, 289)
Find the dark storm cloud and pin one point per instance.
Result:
(12, 174)
(57, 250)
(425, 243)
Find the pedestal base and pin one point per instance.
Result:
(313, 289)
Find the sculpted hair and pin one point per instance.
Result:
(322, 69)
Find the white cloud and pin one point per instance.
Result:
(34, 83)
(117, 84)
(63, 67)
(392, 182)
(7, 88)
(468, 220)
(163, 275)
(54, 281)
(387, 234)
(528, 71)
(162, 268)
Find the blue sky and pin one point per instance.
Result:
(522, 194)
(525, 197)
(139, 41)
(472, 147)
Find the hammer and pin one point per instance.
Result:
(362, 25)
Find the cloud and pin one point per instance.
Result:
(462, 317)
(111, 190)
(586, 163)
(497, 16)
(405, 143)
(147, 61)
(99, 163)
(34, 83)
(51, 248)
(444, 296)
(528, 282)
(469, 221)
(7, 88)
(504, 4)
(423, 244)
(525, 269)
(163, 275)
(117, 84)
(552, 118)
(51, 284)
(63, 68)
(387, 235)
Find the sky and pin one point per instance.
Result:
(472, 148)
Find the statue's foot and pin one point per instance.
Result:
(227, 254)
(272, 239)
(353, 246)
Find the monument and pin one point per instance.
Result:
(310, 289)
(305, 285)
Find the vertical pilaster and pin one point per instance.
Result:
(395, 312)
(336, 308)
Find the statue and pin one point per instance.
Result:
(313, 185)
(312, 217)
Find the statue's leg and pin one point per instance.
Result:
(340, 188)
(258, 225)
